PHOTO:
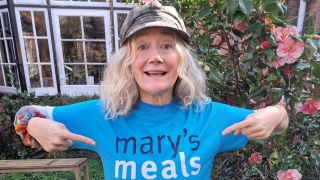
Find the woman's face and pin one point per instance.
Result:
(155, 65)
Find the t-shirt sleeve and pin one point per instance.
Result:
(229, 115)
(80, 119)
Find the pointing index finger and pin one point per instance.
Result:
(234, 127)
(79, 138)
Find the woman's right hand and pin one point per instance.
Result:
(54, 136)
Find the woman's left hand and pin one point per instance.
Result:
(261, 123)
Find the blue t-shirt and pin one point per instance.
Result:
(155, 142)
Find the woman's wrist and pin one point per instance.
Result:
(283, 124)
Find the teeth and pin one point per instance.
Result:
(156, 73)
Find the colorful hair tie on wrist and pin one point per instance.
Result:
(21, 127)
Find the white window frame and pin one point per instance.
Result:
(129, 5)
(74, 90)
(38, 90)
(7, 89)
(35, 2)
(75, 3)
(115, 24)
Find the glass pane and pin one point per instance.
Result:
(1, 29)
(3, 52)
(40, 23)
(10, 75)
(70, 27)
(47, 76)
(93, 27)
(95, 74)
(124, 1)
(96, 52)
(75, 74)
(34, 76)
(10, 50)
(43, 50)
(98, 0)
(1, 77)
(26, 23)
(81, 0)
(72, 51)
(6, 23)
(120, 19)
(30, 49)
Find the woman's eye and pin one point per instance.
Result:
(167, 46)
(142, 47)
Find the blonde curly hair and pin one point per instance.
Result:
(119, 90)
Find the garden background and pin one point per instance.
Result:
(253, 58)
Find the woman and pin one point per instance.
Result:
(153, 120)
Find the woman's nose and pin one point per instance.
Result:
(155, 56)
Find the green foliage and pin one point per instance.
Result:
(227, 36)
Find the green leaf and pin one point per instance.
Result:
(271, 77)
(303, 66)
(246, 6)
(272, 40)
(239, 16)
(247, 56)
(278, 93)
(215, 75)
(270, 55)
(276, 20)
(232, 6)
(205, 10)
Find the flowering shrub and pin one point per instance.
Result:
(254, 58)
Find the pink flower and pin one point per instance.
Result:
(276, 63)
(241, 26)
(291, 174)
(255, 158)
(251, 101)
(310, 106)
(202, 31)
(265, 44)
(289, 50)
(216, 40)
(223, 49)
(298, 106)
(281, 33)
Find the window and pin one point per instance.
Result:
(37, 52)
(8, 68)
(83, 46)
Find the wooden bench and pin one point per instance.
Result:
(45, 165)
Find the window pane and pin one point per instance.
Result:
(96, 52)
(10, 50)
(1, 77)
(95, 74)
(30, 49)
(1, 29)
(120, 19)
(75, 74)
(47, 76)
(93, 27)
(98, 0)
(3, 52)
(10, 75)
(43, 50)
(72, 51)
(40, 23)
(34, 76)
(70, 27)
(26, 23)
(6, 23)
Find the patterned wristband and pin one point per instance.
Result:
(21, 125)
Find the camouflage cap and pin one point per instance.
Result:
(152, 14)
